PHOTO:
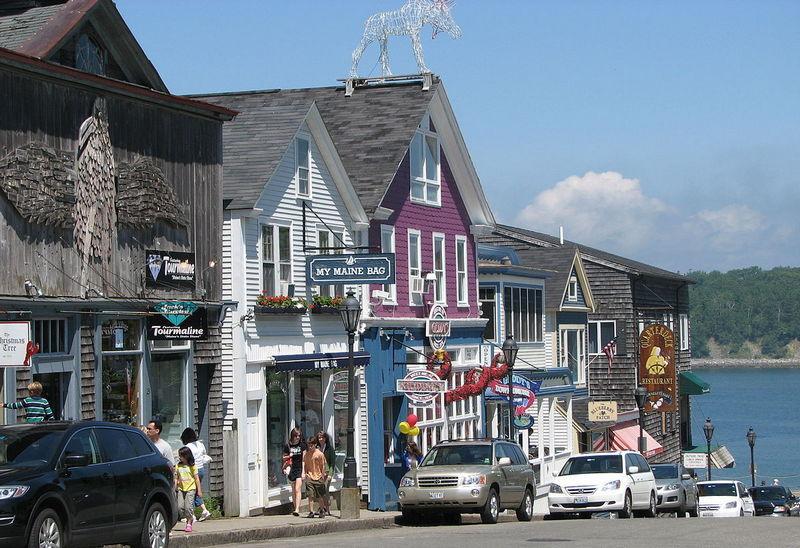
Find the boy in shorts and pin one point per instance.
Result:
(315, 476)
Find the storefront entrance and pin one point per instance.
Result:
(55, 387)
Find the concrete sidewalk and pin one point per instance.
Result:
(241, 530)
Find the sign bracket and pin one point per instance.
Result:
(343, 247)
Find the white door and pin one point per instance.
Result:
(253, 443)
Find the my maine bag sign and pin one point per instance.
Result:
(170, 269)
(177, 320)
(369, 268)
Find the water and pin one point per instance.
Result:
(765, 399)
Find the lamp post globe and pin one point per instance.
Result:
(708, 430)
(640, 395)
(350, 312)
(510, 350)
(751, 441)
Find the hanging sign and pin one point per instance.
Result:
(177, 320)
(522, 422)
(695, 460)
(603, 411)
(657, 368)
(525, 391)
(169, 269)
(16, 347)
(421, 387)
(340, 388)
(437, 327)
(366, 268)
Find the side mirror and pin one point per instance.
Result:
(633, 470)
(504, 461)
(75, 461)
(686, 476)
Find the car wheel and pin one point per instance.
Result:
(525, 510)
(741, 512)
(47, 531)
(410, 516)
(155, 532)
(627, 509)
(651, 511)
(491, 510)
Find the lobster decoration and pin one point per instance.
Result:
(476, 379)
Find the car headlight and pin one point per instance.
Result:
(555, 488)
(477, 479)
(407, 481)
(611, 485)
(779, 509)
(731, 504)
(12, 491)
(673, 487)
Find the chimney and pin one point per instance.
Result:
(561, 234)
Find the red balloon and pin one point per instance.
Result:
(411, 419)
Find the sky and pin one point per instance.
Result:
(666, 132)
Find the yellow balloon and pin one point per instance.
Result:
(404, 427)
(414, 431)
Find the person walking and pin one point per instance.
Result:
(187, 484)
(201, 458)
(315, 474)
(412, 456)
(154, 429)
(324, 445)
(293, 453)
(37, 408)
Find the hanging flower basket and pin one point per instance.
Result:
(322, 304)
(269, 310)
(318, 309)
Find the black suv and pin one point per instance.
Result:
(83, 484)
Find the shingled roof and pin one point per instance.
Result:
(556, 259)
(21, 21)
(371, 131)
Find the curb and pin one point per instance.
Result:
(239, 536)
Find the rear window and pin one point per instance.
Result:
(594, 464)
(454, 455)
(665, 471)
(768, 493)
(716, 489)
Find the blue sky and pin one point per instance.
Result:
(668, 132)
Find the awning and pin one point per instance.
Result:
(721, 457)
(625, 437)
(316, 362)
(692, 385)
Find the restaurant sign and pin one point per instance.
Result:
(177, 320)
(362, 268)
(657, 368)
(603, 411)
(421, 387)
(16, 347)
(170, 269)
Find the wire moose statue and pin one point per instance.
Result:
(406, 21)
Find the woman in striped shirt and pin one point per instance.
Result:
(37, 408)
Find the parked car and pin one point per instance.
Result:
(614, 481)
(470, 476)
(724, 499)
(83, 484)
(773, 500)
(676, 489)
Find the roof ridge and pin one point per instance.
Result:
(304, 89)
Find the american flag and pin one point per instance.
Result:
(609, 350)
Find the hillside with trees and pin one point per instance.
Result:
(746, 313)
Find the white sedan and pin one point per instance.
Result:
(724, 499)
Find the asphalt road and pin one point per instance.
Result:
(606, 533)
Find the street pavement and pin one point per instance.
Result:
(606, 533)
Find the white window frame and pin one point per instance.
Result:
(462, 286)
(563, 353)
(684, 326)
(572, 289)
(276, 224)
(298, 167)
(415, 150)
(595, 325)
(391, 289)
(437, 297)
(411, 271)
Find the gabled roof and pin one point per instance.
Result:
(540, 239)
(40, 28)
(504, 260)
(562, 261)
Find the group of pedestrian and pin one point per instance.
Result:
(311, 460)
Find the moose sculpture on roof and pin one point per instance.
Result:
(406, 21)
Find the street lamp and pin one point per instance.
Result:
(350, 311)
(510, 349)
(640, 394)
(708, 430)
(751, 441)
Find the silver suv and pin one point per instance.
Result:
(470, 476)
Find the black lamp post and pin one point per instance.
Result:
(350, 311)
(510, 349)
(640, 394)
(751, 441)
(708, 430)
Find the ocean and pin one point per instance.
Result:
(766, 399)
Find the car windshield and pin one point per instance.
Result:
(458, 454)
(717, 489)
(665, 471)
(768, 493)
(595, 464)
(28, 448)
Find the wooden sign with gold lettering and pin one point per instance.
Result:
(657, 368)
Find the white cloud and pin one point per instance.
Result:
(731, 220)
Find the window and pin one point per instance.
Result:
(326, 238)
(387, 246)
(461, 271)
(522, 309)
(414, 268)
(486, 296)
(440, 285)
(139, 444)
(168, 381)
(121, 335)
(83, 443)
(302, 171)
(684, 334)
(89, 56)
(276, 257)
(572, 290)
(425, 168)
(572, 352)
(600, 333)
(115, 444)
(643, 466)
(51, 336)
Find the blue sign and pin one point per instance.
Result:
(371, 268)
(525, 391)
(522, 422)
(316, 362)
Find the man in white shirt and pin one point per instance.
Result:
(154, 428)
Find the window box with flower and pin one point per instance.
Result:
(280, 305)
(323, 304)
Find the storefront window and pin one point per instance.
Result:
(308, 403)
(120, 377)
(167, 385)
(277, 426)
(121, 335)
(340, 403)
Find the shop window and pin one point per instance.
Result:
(523, 313)
(120, 335)
(170, 345)
(168, 387)
(277, 426)
(600, 333)
(308, 403)
(120, 387)
(341, 399)
(52, 336)
(486, 296)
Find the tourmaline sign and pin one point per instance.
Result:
(657, 368)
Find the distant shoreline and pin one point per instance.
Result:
(720, 363)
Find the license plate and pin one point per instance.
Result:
(706, 514)
(436, 495)
(580, 500)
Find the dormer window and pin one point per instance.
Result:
(89, 56)
(425, 166)
(302, 168)
(572, 291)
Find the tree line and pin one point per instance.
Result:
(749, 312)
